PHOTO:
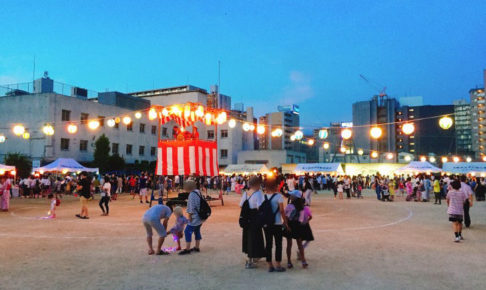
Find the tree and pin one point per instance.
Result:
(115, 162)
(102, 153)
(22, 163)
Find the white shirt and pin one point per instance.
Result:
(254, 201)
(106, 191)
(276, 201)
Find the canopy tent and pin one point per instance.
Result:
(418, 167)
(384, 169)
(4, 168)
(288, 168)
(64, 165)
(245, 169)
(318, 168)
(464, 167)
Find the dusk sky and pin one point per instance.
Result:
(310, 53)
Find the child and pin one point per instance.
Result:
(340, 190)
(455, 208)
(298, 215)
(385, 193)
(178, 229)
(54, 202)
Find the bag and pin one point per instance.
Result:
(245, 218)
(266, 216)
(204, 211)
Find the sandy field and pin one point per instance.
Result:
(360, 244)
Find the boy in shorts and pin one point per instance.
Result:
(455, 208)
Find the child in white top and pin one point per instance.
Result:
(340, 189)
(52, 211)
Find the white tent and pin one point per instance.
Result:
(418, 167)
(6, 167)
(245, 169)
(318, 168)
(64, 165)
(464, 167)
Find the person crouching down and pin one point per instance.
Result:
(151, 219)
(177, 230)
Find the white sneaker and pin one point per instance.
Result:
(457, 240)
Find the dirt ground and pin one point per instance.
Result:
(360, 244)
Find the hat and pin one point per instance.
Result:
(295, 194)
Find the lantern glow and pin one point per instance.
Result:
(72, 128)
(346, 134)
(374, 154)
(18, 130)
(127, 120)
(111, 122)
(323, 133)
(299, 135)
(325, 145)
(408, 128)
(138, 115)
(152, 114)
(261, 129)
(446, 122)
(48, 130)
(376, 132)
(93, 124)
(232, 123)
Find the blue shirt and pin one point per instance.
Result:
(193, 206)
(157, 212)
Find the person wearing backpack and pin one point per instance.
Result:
(198, 211)
(252, 238)
(273, 232)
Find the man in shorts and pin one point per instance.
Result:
(455, 202)
(84, 189)
(143, 187)
(151, 219)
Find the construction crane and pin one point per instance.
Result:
(382, 91)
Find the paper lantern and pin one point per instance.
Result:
(111, 122)
(323, 133)
(138, 115)
(360, 152)
(48, 130)
(311, 142)
(93, 124)
(260, 129)
(446, 122)
(207, 119)
(232, 123)
(346, 134)
(374, 154)
(18, 130)
(152, 114)
(72, 128)
(432, 159)
(389, 156)
(127, 120)
(246, 127)
(444, 159)
(423, 158)
(376, 132)
(325, 145)
(408, 128)
(165, 112)
(277, 132)
(408, 158)
(299, 135)
(456, 159)
(26, 135)
(468, 159)
(2, 138)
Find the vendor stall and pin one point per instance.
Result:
(315, 168)
(64, 165)
(473, 168)
(364, 169)
(416, 167)
(7, 168)
(245, 169)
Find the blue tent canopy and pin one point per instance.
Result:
(65, 164)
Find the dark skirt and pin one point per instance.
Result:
(252, 242)
(299, 231)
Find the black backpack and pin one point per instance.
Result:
(204, 211)
(245, 218)
(266, 216)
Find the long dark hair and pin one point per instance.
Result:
(299, 204)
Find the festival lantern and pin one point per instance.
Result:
(408, 158)
(292, 138)
(199, 111)
(484, 157)
(360, 152)
(432, 159)
(323, 133)
(72, 128)
(187, 112)
(260, 129)
(13, 172)
(252, 127)
(2, 172)
(299, 135)
(325, 145)
(26, 135)
(138, 115)
(117, 120)
(277, 132)
(48, 130)
(343, 149)
(111, 122)
(2, 138)
(311, 142)
(408, 128)
(423, 158)
(152, 114)
(18, 130)
(165, 112)
(444, 159)
(222, 117)
(232, 123)
(176, 110)
(446, 122)
(389, 156)
(346, 133)
(456, 159)
(127, 120)
(246, 127)
(207, 119)
(468, 159)
(374, 154)
(376, 132)
(93, 124)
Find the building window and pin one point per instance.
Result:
(210, 134)
(114, 148)
(224, 153)
(141, 150)
(64, 144)
(129, 149)
(66, 115)
(130, 127)
(84, 118)
(154, 130)
(164, 132)
(142, 128)
(101, 119)
(224, 133)
(83, 145)
(152, 151)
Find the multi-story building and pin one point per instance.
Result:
(462, 118)
(136, 141)
(287, 120)
(378, 112)
(478, 121)
(428, 136)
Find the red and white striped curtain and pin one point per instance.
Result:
(187, 157)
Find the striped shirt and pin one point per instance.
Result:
(456, 202)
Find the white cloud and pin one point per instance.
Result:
(298, 90)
